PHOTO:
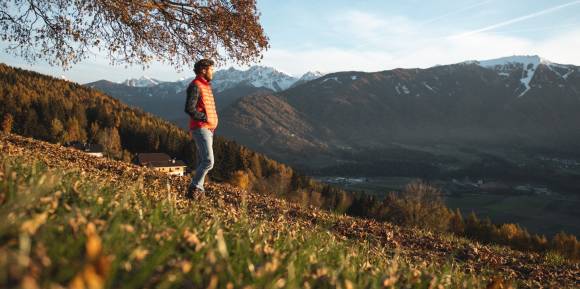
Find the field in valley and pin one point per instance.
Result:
(538, 213)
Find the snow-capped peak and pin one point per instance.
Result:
(257, 76)
(185, 81)
(311, 75)
(506, 65)
(534, 60)
(143, 81)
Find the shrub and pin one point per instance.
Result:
(419, 205)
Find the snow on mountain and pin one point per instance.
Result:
(333, 78)
(529, 64)
(144, 81)
(517, 59)
(185, 81)
(311, 75)
(308, 76)
(268, 77)
(257, 76)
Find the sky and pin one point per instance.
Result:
(336, 35)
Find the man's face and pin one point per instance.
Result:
(208, 73)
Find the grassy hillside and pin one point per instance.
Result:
(81, 222)
(58, 111)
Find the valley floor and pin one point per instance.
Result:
(546, 214)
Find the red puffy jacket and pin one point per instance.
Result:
(200, 95)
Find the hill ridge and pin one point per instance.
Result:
(414, 246)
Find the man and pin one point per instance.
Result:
(200, 106)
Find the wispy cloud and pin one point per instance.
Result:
(417, 54)
(383, 48)
(516, 20)
(455, 12)
(540, 28)
(367, 28)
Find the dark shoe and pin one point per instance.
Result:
(194, 193)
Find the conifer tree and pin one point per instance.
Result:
(7, 122)
(57, 130)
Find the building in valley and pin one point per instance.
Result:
(88, 148)
(162, 162)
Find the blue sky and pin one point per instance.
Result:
(379, 35)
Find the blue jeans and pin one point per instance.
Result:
(203, 138)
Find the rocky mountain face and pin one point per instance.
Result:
(143, 81)
(521, 101)
(256, 76)
(308, 76)
(166, 99)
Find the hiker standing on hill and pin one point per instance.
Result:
(200, 106)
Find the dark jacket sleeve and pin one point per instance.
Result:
(193, 96)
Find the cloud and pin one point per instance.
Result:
(516, 20)
(97, 66)
(326, 59)
(363, 29)
(440, 51)
(367, 41)
(455, 12)
(561, 48)
(413, 46)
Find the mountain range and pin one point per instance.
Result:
(319, 121)
(166, 98)
(515, 101)
(507, 123)
(256, 76)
